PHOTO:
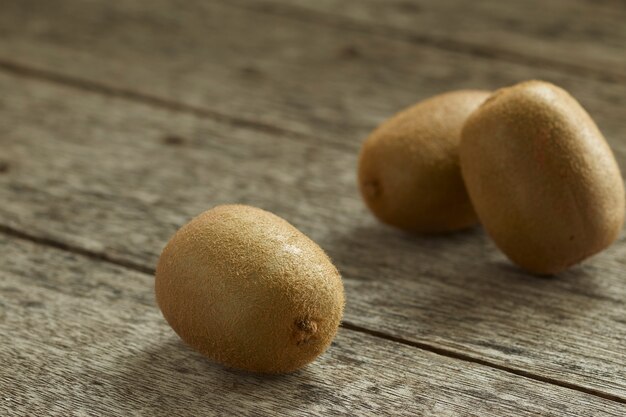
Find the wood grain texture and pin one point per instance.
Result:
(117, 184)
(574, 35)
(327, 82)
(86, 338)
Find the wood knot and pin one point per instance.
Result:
(4, 167)
(251, 71)
(350, 52)
(173, 140)
(409, 7)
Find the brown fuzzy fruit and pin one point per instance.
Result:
(248, 290)
(409, 172)
(541, 177)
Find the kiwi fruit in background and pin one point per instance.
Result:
(247, 289)
(409, 174)
(541, 177)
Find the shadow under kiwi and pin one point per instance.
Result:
(453, 288)
(169, 378)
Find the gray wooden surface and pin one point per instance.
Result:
(119, 121)
(101, 348)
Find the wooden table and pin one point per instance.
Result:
(121, 120)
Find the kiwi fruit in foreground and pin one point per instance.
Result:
(247, 289)
(409, 173)
(541, 177)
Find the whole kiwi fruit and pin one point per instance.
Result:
(409, 173)
(541, 176)
(247, 289)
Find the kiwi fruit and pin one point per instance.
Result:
(409, 173)
(247, 289)
(541, 177)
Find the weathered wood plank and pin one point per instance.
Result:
(97, 173)
(327, 82)
(570, 34)
(85, 338)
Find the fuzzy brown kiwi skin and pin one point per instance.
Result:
(247, 289)
(409, 174)
(541, 177)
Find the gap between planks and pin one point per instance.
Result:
(103, 257)
(162, 103)
(299, 13)
(155, 101)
